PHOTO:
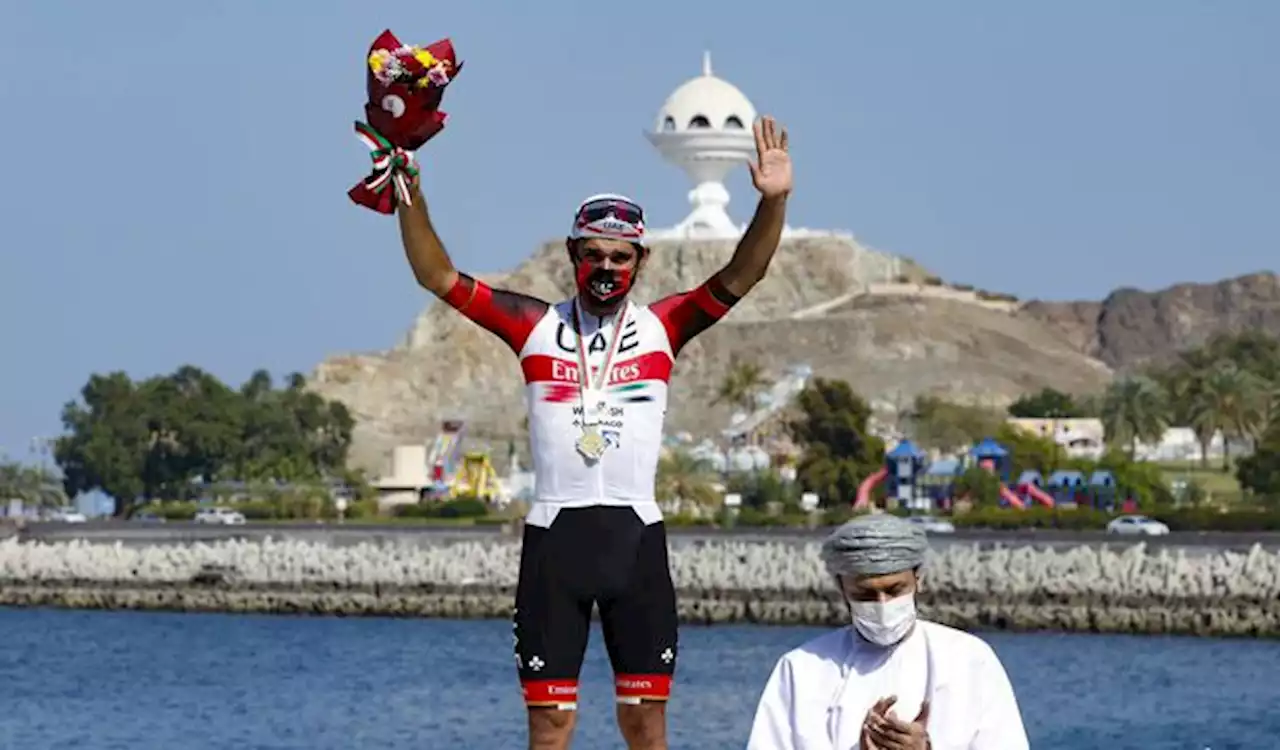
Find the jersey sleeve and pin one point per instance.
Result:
(687, 314)
(510, 316)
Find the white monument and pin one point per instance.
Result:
(704, 128)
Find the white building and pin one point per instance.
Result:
(1082, 437)
(704, 128)
(1181, 444)
(408, 478)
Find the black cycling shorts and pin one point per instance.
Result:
(602, 555)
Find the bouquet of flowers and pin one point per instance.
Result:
(405, 85)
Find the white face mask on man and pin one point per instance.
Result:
(885, 623)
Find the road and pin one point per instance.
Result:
(345, 534)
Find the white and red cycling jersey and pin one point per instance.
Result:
(545, 338)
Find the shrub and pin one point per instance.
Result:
(463, 507)
(363, 508)
(1080, 519)
(460, 507)
(762, 489)
(175, 511)
(1208, 519)
(1086, 519)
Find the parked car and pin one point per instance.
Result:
(932, 525)
(1137, 525)
(68, 515)
(223, 516)
(147, 516)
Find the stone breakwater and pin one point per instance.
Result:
(1134, 590)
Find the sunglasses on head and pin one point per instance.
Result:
(619, 209)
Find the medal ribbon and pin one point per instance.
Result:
(584, 369)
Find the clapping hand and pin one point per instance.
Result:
(881, 730)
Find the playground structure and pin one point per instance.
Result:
(993, 457)
(453, 472)
(1069, 488)
(445, 456)
(475, 478)
(902, 466)
(908, 477)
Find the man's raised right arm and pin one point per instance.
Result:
(422, 246)
(509, 315)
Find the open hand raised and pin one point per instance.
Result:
(771, 173)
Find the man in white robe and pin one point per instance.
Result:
(889, 681)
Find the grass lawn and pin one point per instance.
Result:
(1219, 485)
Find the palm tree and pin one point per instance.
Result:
(1134, 409)
(1227, 403)
(33, 485)
(742, 385)
(1183, 389)
(1265, 405)
(683, 478)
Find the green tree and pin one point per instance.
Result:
(1230, 384)
(166, 436)
(1226, 401)
(1183, 384)
(1260, 472)
(1134, 409)
(684, 478)
(760, 489)
(107, 445)
(1253, 351)
(1141, 479)
(1266, 406)
(741, 386)
(980, 486)
(33, 485)
(945, 425)
(1030, 452)
(831, 425)
(1048, 403)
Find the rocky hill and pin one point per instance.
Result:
(891, 347)
(1131, 327)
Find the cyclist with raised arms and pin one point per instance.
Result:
(596, 368)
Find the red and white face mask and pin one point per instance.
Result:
(603, 285)
(607, 216)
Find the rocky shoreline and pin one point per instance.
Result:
(1078, 590)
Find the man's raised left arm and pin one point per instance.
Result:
(687, 314)
(771, 175)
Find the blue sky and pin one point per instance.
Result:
(176, 172)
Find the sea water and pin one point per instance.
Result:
(151, 681)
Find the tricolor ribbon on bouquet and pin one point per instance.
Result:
(405, 87)
(393, 168)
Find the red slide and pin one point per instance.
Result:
(1009, 497)
(1038, 495)
(868, 484)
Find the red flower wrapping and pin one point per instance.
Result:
(405, 86)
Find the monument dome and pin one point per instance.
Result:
(705, 102)
(704, 128)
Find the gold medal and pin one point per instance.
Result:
(591, 444)
(594, 404)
